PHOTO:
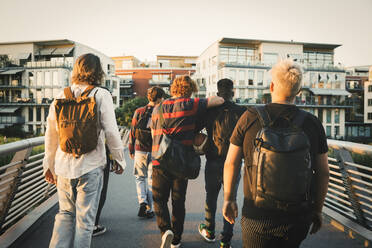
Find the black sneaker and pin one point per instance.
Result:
(150, 214)
(225, 245)
(98, 230)
(142, 210)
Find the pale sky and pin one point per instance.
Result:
(170, 27)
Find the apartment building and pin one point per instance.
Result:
(156, 73)
(247, 62)
(368, 99)
(33, 73)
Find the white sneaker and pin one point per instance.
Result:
(166, 239)
(176, 246)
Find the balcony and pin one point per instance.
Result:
(12, 120)
(15, 84)
(315, 102)
(48, 64)
(161, 83)
(21, 101)
(325, 68)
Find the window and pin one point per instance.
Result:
(232, 74)
(30, 114)
(114, 84)
(250, 77)
(270, 58)
(241, 76)
(38, 114)
(260, 75)
(337, 116)
(46, 112)
(47, 81)
(337, 131)
(318, 58)
(55, 78)
(329, 116)
(320, 115)
(236, 55)
(369, 102)
(369, 116)
(369, 88)
(39, 78)
(328, 131)
(31, 79)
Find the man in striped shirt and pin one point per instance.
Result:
(180, 114)
(140, 150)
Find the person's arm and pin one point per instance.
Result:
(110, 128)
(214, 101)
(51, 146)
(320, 180)
(230, 175)
(132, 138)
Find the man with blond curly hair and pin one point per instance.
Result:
(278, 209)
(180, 114)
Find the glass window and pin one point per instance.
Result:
(369, 102)
(337, 116)
(47, 79)
(46, 113)
(329, 116)
(369, 116)
(39, 78)
(232, 74)
(30, 114)
(55, 78)
(270, 58)
(337, 131)
(328, 131)
(242, 76)
(38, 114)
(369, 88)
(260, 75)
(367, 132)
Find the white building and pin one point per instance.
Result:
(368, 99)
(247, 62)
(35, 73)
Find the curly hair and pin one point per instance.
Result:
(88, 69)
(183, 86)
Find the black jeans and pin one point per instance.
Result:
(163, 184)
(102, 199)
(213, 183)
(272, 233)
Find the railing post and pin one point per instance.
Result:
(22, 157)
(343, 156)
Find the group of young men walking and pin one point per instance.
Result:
(284, 151)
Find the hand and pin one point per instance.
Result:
(49, 177)
(117, 168)
(131, 155)
(230, 211)
(317, 222)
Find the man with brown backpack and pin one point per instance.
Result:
(286, 167)
(78, 123)
(140, 144)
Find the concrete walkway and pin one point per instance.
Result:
(126, 230)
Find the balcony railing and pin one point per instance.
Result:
(159, 82)
(12, 120)
(314, 101)
(48, 64)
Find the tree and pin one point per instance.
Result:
(4, 61)
(125, 113)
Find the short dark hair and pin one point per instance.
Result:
(155, 93)
(225, 88)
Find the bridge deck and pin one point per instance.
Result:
(126, 230)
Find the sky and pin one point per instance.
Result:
(146, 28)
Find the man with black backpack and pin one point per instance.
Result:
(220, 123)
(140, 143)
(286, 167)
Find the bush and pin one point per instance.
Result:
(125, 113)
(13, 131)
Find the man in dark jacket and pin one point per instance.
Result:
(219, 122)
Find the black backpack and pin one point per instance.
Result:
(282, 164)
(223, 127)
(142, 130)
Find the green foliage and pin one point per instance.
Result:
(13, 131)
(362, 159)
(4, 61)
(125, 113)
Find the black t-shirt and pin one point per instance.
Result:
(244, 134)
(208, 121)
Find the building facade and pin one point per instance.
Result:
(33, 73)
(157, 73)
(247, 62)
(368, 99)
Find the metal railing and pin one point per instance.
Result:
(350, 185)
(22, 185)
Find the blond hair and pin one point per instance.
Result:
(287, 77)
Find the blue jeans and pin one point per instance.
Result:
(213, 182)
(143, 175)
(78, 203)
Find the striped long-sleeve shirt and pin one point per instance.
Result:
(180, 116)
(135, 145)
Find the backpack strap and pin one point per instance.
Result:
(299, 119)
(88, 90)
(68, 93)
(263, 116)
(161, 118)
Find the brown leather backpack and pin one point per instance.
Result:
(77, 120)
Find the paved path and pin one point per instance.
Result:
(125, 230)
